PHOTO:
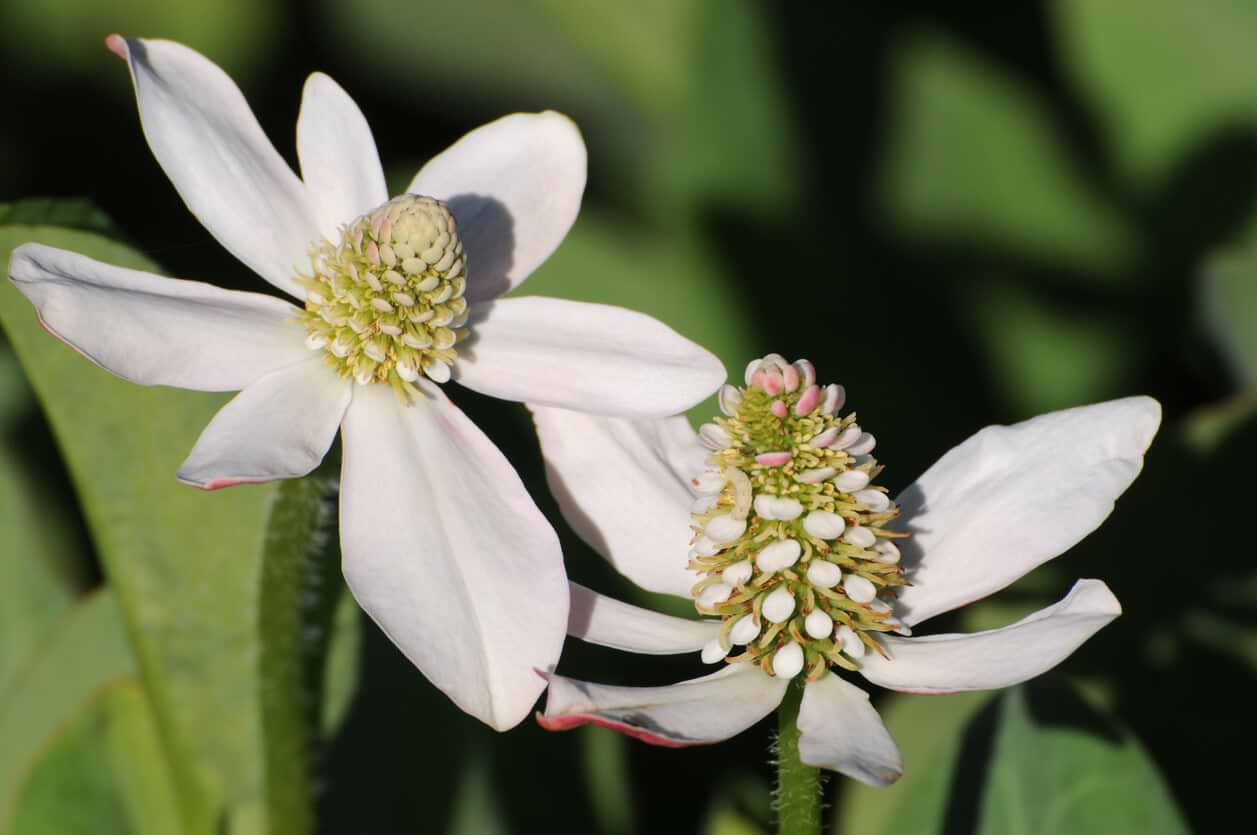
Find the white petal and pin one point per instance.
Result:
(1013, 497)
(623, 486)
(605, 621)
(211, 147)
(696, 712)
(445, 550)
(154, 330)
(588, 357)
(514, 186)
(998, 657)
(840, 730)
(339, 161)
(279, 427)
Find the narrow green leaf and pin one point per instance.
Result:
(102, 773)
(184, 565)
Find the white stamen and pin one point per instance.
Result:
(729, 399)
(744, 630)
(874, 500)
(850, 642)
(824, 525)
(724, 528)
(391, 330)
(859, 536)
(315, 341)
(742, 492)
(777, 508)
(848, 437)
(364, 376)
(714, 651)
(738, 573)
(852, 480)
(815, 476)
(823, 574)
(437, 371)
(703, 504)
(887, 552)
(835, 397)
(778, 605)
(781, 554)
(704, 547)
(859, 589)
(417, 341)
(709, 483)
(818, 624)
(714, 595)
(788, 661)
(407, 372)
(863, 446)
(381, 305)
(714, 437)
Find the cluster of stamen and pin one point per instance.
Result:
(789, 528)
(386, 302)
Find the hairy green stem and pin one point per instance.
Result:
(799, 786)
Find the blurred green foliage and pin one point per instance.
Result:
(965, 217)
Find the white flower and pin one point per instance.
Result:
(441, 543)
(992, 509)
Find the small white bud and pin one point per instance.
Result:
(724, 528)
(815, 476)
(704, 547)
(850, 642)
(714, 651)
(778, 605)
(806, 370)
(879, 606)
(776, 507)
(835, 397)
(315, 341)
(751, 368)
(729, 399)
(852, 480)
(703, 504)
(898, 626)
(788, 661)
(778, 555)
(738, 573)
(823, 439)
(714, 595)
(823, 574)
(824, 525)
(848, 437)
(859, 589)
(406, 372)
(859, 536)
(714, 437)
(709, 483)
(887, 552)
(874, 500)
(437, 371)
(818, 624)
(744, 630)
(863, 446)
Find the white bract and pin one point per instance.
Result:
(441, 543)
(859, 572)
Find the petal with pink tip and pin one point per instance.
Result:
(210, 145)
(157, 331)
(700, 711)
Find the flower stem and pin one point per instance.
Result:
(799, 786)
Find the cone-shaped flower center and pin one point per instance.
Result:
(386, 301)
(788, 529)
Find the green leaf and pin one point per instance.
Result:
(184, 565)
(972, 158)
(1036, 759)
(1162, 76)
(606, 769)
(38, 551)
(1229, 290)
(101, 774)
(87, 649)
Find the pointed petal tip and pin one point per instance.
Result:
(117, 44)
